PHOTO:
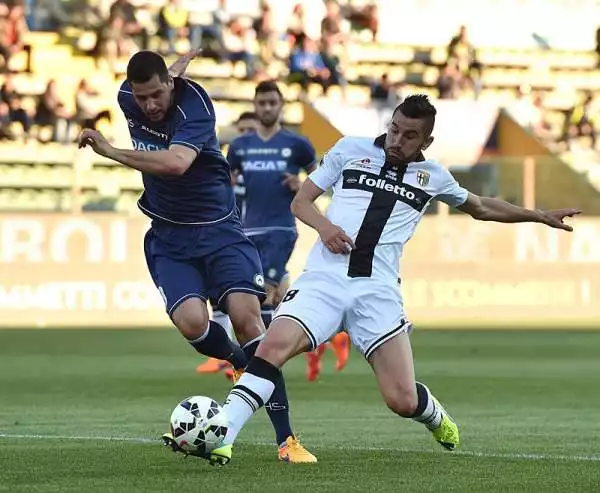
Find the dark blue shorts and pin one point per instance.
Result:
(275, 249)
(187, 261)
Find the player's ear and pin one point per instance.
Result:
(427, 142)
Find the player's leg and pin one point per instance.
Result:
(306, 304)
(313, 362)
(341, 346)
(235, 271)
(184, 292)
(274, 249)
(378, 327)
(214, 365)
(392, 363)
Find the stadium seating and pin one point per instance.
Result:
(43, 176)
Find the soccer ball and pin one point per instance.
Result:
(198, 425)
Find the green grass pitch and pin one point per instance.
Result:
(527, 403)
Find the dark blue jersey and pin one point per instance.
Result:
(263, 165)
(203, 194)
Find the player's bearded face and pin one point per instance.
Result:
(406, 139)
(154, 97)
(268, 107)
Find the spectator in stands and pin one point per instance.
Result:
(598, 47)
(4, 122)
(528, 111)
(51, 112)
(297, 27)
(365, 17)
(461, 49)
(333, 26)
(266, 33)
(307, 65)
(88, 108)
(124, 10)
(240, 45)
(113, 41)
(448, 83)
(334, 64)
(173, 20)
(12, 100)
(12, 30)
(580, 122)
(381, 91)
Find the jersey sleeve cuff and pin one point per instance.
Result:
(186, 144)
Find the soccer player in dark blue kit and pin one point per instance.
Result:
(270, 160)
(196, 248)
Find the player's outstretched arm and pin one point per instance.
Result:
(173, 161)
(492, 209)
(304, 208)
(181, 64)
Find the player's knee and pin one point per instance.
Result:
(244, 312)
(282, 342)
(401, 401)
(191, 319)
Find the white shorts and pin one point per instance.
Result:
(368, 309)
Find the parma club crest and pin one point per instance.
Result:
(423, 178)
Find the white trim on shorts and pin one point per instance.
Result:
(311, 337)
(182, 299)
(403, 327)
(261, 294)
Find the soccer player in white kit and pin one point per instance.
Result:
(381, 189)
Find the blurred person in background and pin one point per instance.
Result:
(334, 28)
(306, 65)
(88, 106)
(266, 32)
(51, 112)
(580, 122)
(124, 10)
(12, 31)
(449, 80)
(173, 21)
(296, 30)
(240, 46)
(364, 18)
(461, 49)
(334, 64)
(16, 113)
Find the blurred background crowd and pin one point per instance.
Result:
(61, 62)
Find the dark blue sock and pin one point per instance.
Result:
(277, 407)
(216, 343)
(266, 312)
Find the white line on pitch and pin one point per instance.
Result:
(462, 453)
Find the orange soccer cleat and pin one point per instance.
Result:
(341, 346)
(314, 363)
(212, 365)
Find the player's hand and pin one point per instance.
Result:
(335, 239)
(292, 181)
(554, 218)
(181, 64)
(95, 140)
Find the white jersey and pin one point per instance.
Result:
(377, 206)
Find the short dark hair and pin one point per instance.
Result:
(267, 86)
(418, 106)
(144, 65)
(248, 115)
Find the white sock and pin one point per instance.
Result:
(431, 416)
(224, 321)
(247, 396)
